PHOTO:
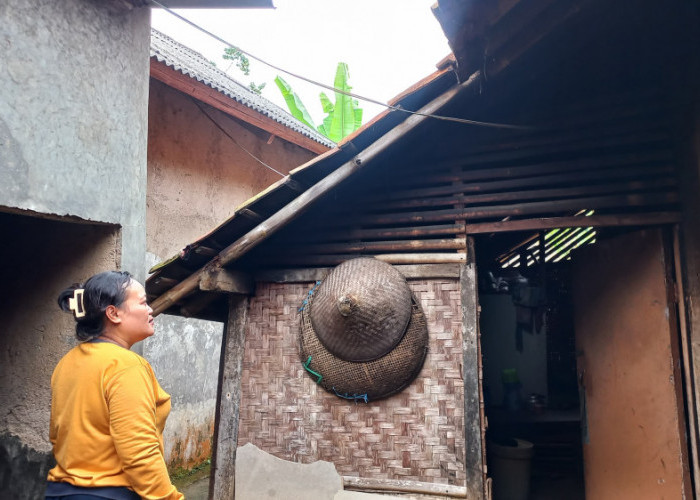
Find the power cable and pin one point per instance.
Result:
(216, 124)
(333, 89)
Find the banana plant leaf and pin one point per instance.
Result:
(296, 107)
(344, 118)
(328, 108)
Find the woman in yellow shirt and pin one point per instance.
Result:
(107, 408)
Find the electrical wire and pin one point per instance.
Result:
(333, 89)
(216, 124)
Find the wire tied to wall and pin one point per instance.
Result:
(225, 132)
(333, 89)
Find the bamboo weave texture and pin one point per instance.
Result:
(415, 435)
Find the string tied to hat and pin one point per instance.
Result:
(305, 302)
(306, 367)
(354, 397)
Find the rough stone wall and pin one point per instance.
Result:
(415, 435)
(196, 178)
(39, 259)
(73, 110)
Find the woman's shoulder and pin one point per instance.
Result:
(115, 356)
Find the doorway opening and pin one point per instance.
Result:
(568, 319)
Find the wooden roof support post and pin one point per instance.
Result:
(228, 400)
(474, 430)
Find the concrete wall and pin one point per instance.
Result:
(39, 259)
(73, 111)
(196, 178)
(196, 175)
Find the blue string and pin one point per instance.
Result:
(306, 366)
(305, 302)
(354, 397)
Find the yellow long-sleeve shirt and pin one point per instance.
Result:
(107, 417)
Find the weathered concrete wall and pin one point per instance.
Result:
(196, 178)
(196, 175)
(73, 111)
(39, 259)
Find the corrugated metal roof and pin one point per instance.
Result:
(193, 64)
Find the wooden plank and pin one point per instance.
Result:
(250, 214)
(602, 161)
(391, 258)
(368, 484)
(553, 193)
(472, 373)
(228, 400)
(650, 219)
(333, 234)
(519, 209)
(372, 246)
(307, 275)
(227, 281)
(300, 204)
(687, 368)
(197, 303)
(633, 172)
(231, 107)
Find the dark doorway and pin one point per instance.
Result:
(542, 314)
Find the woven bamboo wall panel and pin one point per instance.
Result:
(415, 435)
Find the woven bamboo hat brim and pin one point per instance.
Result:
(361, 310)
(369, 380)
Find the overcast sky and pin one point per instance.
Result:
(388, 44)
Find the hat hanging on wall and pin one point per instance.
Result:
(363, 335)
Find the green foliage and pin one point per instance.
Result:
(257, 88)
(238, 58)
(242, 63)
(342, 118)
(296, 107)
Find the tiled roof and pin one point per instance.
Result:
(193, 64)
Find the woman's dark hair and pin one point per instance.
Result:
(100, 291)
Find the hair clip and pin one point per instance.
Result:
(76, 303)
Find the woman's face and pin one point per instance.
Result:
(136, 315)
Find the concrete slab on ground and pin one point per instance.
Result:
(261, 476)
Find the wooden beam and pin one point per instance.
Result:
(537, 181)
(602, 161)
(422, 245)
(333, 234)
(307, 275)
(202, 92)
(228, 400)
(368, 484)
(250, 214)
(197, 304)
(520, 209)
(474, 422)
(653, 184)
(301, 203)
(227, 281)
(649, 219)
(391, 258)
